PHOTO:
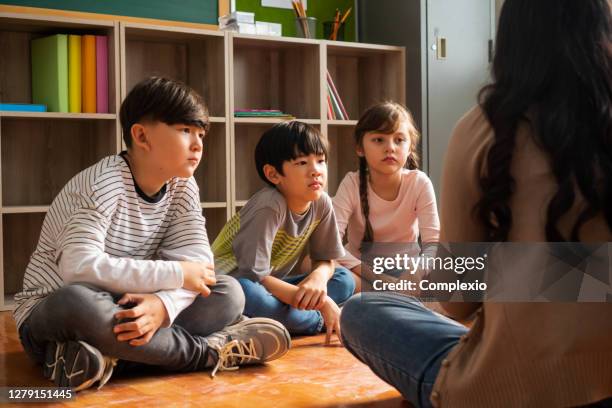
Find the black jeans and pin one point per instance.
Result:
(82, 312)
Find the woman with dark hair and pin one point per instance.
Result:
(531, 163)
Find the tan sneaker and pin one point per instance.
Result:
(251, 341)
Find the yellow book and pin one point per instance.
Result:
(74, 73)
(88, 73)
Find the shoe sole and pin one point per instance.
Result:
(271, 322)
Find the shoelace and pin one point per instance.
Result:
(59, 356)
(228, 358)
(109, 364)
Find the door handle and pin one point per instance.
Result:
(441, 48)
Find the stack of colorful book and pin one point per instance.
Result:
(335, 108)
(70, 73)
(262, 113)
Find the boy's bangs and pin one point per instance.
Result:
(187, 115)
(309, 143)
(202, 123)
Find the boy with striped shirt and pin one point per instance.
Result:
(123, 268)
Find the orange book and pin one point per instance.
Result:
(88, 73)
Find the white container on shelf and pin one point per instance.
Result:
(275, 29)
(243, 17)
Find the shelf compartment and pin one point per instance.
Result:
(44, 147)
(211, 174)
(342, 155)
(195, 57)
(286, 76)
(16, 33)
(215, 220)
(364, 75)
(20, 236)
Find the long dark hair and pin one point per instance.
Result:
(385, 117)
(552, 71)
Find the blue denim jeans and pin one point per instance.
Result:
(261, 303)
(400, 339)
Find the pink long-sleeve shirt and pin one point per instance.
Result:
(412, 213)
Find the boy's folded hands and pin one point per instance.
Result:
(331, 316)
(311, 293)
(145, 318)
(198, 276)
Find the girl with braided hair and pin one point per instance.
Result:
(388, 199)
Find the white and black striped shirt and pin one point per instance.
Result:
(102, 230)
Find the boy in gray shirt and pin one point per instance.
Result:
(268, 238)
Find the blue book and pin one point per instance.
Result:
(22, 107)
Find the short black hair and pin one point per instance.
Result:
(287, 141)
(164, 100)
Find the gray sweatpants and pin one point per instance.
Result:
(82, 312)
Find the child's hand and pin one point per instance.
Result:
(147, 317)
(311, 293)
(198, 276)
(331, 316)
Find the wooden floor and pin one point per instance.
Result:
(310, 375)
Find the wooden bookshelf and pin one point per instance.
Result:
(40, 152)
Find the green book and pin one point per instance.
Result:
(50, 72)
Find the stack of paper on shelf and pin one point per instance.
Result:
(262, 113)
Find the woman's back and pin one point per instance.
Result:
(519, 352)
